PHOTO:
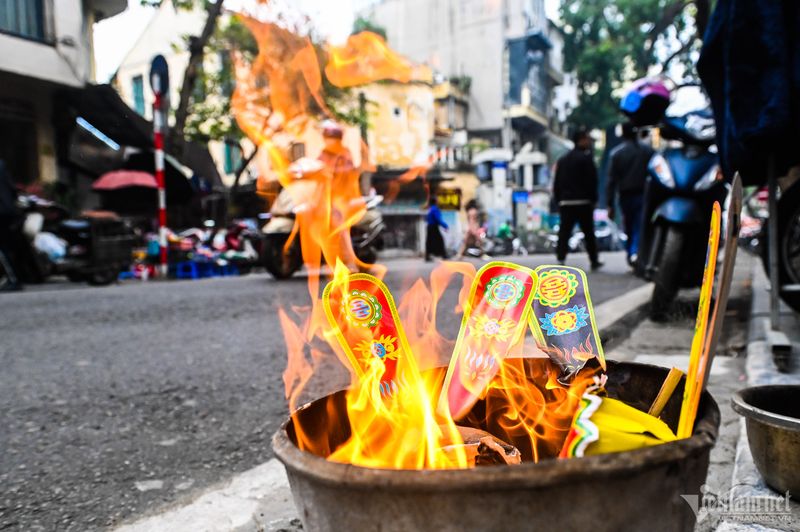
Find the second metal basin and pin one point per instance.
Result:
(772, 414)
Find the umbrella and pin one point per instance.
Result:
(129, 192)
(124, 179)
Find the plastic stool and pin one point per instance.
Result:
(206, 269)
(187, 270)
(227, 270)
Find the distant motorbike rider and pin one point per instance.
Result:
(10, 235)
(627, 174)
(337, 159)
(575, 192)
(505, 232)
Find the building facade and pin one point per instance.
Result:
(509, 57)
(46, 48)
(501, 48)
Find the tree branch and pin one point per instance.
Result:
(685, 46)
(197, 47)
(242, 167)
(666, 20)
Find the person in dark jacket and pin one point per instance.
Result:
(9, 228)
(434, 243)
(627, 174)
(575, 193)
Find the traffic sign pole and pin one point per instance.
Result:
(159, 80)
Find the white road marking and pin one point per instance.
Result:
(258, 499)
(147, 485)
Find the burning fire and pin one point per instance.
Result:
(389, 419)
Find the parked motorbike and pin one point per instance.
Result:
(788, 244)
(684, 182)
(91, 248)
(240, 243)
(283, 262)
(755, 213)
(497, 247)
(607, 235)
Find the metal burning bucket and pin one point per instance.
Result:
(773, 432)
(634, 490)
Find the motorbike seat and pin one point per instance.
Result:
(75, 225)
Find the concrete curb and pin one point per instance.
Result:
(746, 481)
(260, 499)
(617, 317)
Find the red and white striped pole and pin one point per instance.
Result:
(158, 145)
(159, 81)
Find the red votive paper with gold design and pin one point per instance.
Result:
(364, 318)
(495, 319)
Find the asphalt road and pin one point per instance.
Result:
(117, 401)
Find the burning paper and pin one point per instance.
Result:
(390, 411)
(494, 321)
(563, 322)
(695, 375)
(362, 313)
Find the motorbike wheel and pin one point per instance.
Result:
(368, 255)
(3, 275)
(75, 277)
(103, 277)
(667, 278)
(279, 264)
(789, 243)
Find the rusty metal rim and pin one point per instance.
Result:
(528, 475)
(741, 404)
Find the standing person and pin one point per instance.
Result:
(9, 222)
(575, 193)
(434, 243)
(473, 238)
(627, 174)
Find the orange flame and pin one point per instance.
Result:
(366, 58)
(279, 100)
(524, 404)
(527, 407)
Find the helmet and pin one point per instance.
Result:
(331, 129)
(645, 102)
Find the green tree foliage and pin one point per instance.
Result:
(365, 24)
(609, 44)
(210, 116)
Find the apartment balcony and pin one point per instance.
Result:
(106, 8)
(526, 118)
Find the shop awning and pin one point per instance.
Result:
(99, 110)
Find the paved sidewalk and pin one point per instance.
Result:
(747, 483)
(743, 359)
